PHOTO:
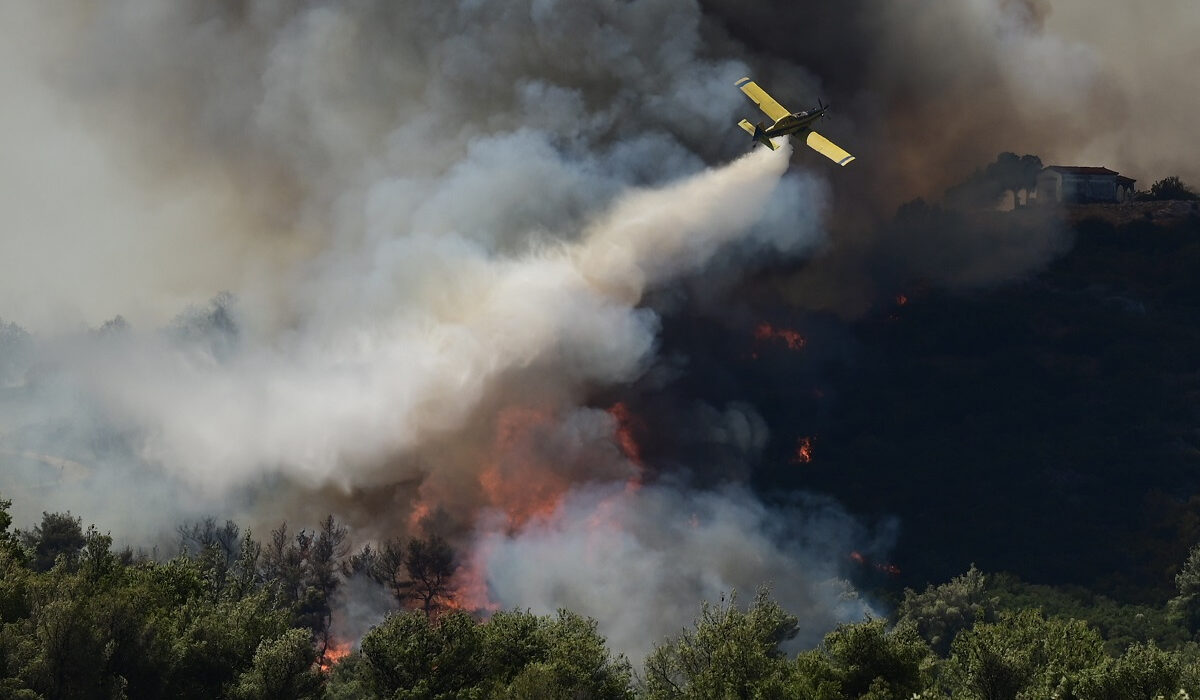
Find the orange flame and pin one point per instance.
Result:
(512, 479)
(887, 568)
(334, 653)
(626, 442)
(804, 451)
(765, 332)
(417, 516)
(471, 592)
(516, 480)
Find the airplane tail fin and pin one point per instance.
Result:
(756, 132)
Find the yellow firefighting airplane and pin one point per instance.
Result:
(787, 123)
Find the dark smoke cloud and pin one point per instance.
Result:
(925, 94)
(928, 93)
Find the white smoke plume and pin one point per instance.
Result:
(639, 562)
(436, 224)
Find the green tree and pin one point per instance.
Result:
(729, 653)
(814, 677)
(1121, 624)
(212, 642)
(1021, 653)
(5, 522)
(214, 547)
(58, 533)
(14, 576)
(245, 574)
(1143, 671)
(513, 655)
(574, 663)
(1185, 607)
(411, 655)
(869, 662)
(940, 612)
(284, 669)
(1171, 188)
(283, 563)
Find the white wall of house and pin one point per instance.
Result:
(1054, 186)
(1049, 187)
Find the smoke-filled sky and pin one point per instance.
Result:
(382, 258)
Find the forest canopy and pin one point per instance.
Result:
(232, 617)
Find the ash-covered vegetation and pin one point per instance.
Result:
(232, 617)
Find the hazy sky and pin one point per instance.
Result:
(1151, 51)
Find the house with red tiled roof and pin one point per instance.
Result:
(1076, 184)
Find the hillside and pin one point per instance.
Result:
(1045, 426)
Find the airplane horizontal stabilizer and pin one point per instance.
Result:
(757, 134)
(828, 148)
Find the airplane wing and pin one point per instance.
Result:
(765, 102)
(828, 148)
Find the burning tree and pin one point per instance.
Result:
(304, 572)
(429, 564)
(420, 570)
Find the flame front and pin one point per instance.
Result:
(526, 488)
(514, 480)
(334, 653)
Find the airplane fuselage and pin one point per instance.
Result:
(794, 123)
